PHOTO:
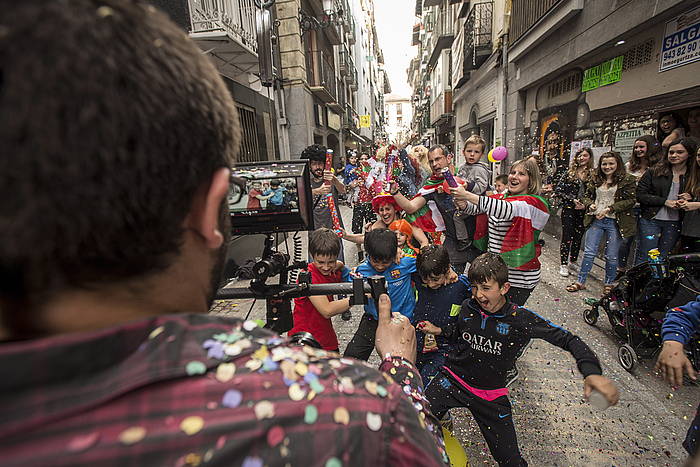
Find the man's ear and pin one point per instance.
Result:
(205, 213)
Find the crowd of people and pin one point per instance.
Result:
(110, 354)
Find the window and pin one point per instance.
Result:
(566, 84)
(399, 109)
(399, 121)
(250, 150)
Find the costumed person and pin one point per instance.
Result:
(404, 232)
(510, 225)
(388, 211)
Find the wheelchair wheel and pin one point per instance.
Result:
(627, 357)
(590, 315)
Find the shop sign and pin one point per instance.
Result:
(591, 78)
(365, 121)
(624, 141)
(601, 75)
(681, 42)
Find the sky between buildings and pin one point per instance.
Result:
(394, 22)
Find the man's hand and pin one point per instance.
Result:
(673, 362)
(578, 205)
(603, 385)
(392, 187)
(328, 176)
(429, 328)
(322, 190)
(395, 335)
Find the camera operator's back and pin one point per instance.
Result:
(117, 136)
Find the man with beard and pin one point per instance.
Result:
(117, 139)
(323, 182)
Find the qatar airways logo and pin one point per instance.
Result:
(483, 344)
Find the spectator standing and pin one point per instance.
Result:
(658, 193)
(570, 190)
(670, 128)
(609, 199)
(644, 155)
(689, 202)
(323, 182)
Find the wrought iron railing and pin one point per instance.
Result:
(235, 17)
(477, 33)
(525, 14)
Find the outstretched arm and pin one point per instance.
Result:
(408, 205)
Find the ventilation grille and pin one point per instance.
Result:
(566, 84)
(638, 55)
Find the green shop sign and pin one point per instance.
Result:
(601, 75)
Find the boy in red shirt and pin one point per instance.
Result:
(313, 314)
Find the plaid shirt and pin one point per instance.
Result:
(199, 389)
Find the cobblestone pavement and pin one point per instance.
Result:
(555, 426)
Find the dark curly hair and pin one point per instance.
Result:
(315, 152)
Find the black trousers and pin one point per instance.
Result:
(361, 214)
(362, 343)
(690, 244)
(571, 234)
(495, 418)
(519, 295)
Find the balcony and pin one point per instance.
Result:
(441, 107)
(226, 30)
(478, 43)
(347, 68)
(320, 74)
(441, 22)
(526, 13)
(352, 120)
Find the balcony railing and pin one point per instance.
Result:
(235, 17)
(320, 74)
(525, 14)
(478, 35)
(441, 106)
(347, 68)
(352, 120)
(442, 24)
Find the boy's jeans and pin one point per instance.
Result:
(594, 235)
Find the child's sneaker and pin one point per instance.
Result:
(463, 245)
(346, 315)
(563, 270)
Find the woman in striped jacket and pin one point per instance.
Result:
(510, 225)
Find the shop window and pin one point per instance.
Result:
(638, 55)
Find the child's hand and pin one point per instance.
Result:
(603, 385)
(339, 265)
(428, 328)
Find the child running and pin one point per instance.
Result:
(486, 339)
(381, 246)
(440, 295)
(313, 314)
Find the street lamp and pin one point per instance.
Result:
(331, 16)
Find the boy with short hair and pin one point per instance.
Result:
(500, 185)
(476, 176)
(440, 295)
(255, 195)
(276, 192)
(313, 314)
(382, 259)
(488, 337)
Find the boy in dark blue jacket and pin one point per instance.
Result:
(440, 295)
(680, 325)
(487, 338)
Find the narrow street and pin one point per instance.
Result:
(555, 426)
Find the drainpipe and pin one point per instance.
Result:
(504, 66)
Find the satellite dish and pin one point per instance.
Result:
(263, 25)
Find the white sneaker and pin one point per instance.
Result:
(573, 267)
(563, 271)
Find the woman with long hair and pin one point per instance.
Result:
(689, 202)
(420, 154)
(670, 128)
(609, 199)
(645, 154)
(658, 193)
(569, 190)
(510, 225)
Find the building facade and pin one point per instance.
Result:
(398, 114)
(595, 74)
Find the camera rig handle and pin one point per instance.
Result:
(375, 285)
